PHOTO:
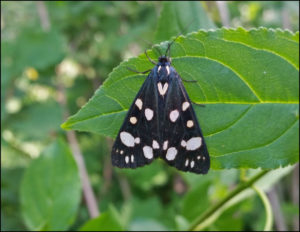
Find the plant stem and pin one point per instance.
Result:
(210, 211)
(268, 208)
(88, 193)
(43, 14)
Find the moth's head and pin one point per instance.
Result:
(164, 60)
(163, 66)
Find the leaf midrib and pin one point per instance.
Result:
(126, 109)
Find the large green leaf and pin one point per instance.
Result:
(248, 81)
(34, 44)
(50, 191)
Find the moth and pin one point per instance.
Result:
(161, 123)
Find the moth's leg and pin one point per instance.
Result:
(138, 71)
(202, 105)
(191, 81)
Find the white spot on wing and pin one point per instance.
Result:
(186, 162)
(162, 89)
(148, 152)
(174, 115)
(168, 70)
(192, 163)
(137, 140)
(165, 146)
(198, 157)
(155, 144)
(193, 143)
(139, 103)
(185, 105)
(148, 114)
(190, 123)
(132, 158)
(121, 152)
(133, 120)
(171, 153)
(159, 67)
(127, 139)
(183, 143)
(126, 159)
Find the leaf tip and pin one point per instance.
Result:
(65, 126)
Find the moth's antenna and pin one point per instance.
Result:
(184, 29)
(169, 45)
(150, 44)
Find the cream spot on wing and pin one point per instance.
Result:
(171, 153)
(155, 144)
(133, 120)
(174, 115)
(165, 146)
(190, 123)
(198, 157)
(162, 89)
(127, 139)
(148, 114)
(193, 143)
(139, 103)
(148, 152)
(121, 152)
(185, 105)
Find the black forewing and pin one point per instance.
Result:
(197, 160)
(145, 130)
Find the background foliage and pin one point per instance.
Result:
(54, 57)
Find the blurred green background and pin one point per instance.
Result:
(54, 55)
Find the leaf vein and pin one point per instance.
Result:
(237, 74)
(232, 124)
(262, 49)
(264, 145)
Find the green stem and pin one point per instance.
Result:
(268, 208)
(210, 211)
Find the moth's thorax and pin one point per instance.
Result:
(163, 67)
